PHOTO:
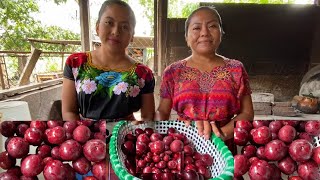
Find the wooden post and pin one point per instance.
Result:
(3, 86)
(155, 39)
(62, 57)
(22, 60)
(162, 15)
(85, 25)
(31, 63)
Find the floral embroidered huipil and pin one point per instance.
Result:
(107, 94)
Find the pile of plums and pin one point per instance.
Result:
(170, 156)
(63, 148)
(274, 149)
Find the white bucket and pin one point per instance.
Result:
(14, 111)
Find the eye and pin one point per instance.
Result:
(196, 28)
(125, 27)
(109, 23)
(213, 26)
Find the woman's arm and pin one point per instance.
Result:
(148, 107)
(246, 114)
(164, 109)
(70, 110)
(246, 109)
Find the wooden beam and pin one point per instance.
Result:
(27, 88)
(3, 86)
(31, 63)
(62, 42)
(162, 16)
(156, 39)
(138, 42)
(85, 25)
(25, 53)
(22, 61)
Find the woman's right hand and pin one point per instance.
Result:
(205, 128)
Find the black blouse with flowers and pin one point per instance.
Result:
(107, 94)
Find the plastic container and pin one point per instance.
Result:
(14, 111)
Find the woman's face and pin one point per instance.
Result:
(115, 28)
(204, 32)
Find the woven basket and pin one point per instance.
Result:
(222, 168)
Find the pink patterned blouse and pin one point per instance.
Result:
(213, 96)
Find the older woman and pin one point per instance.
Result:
(206, 87)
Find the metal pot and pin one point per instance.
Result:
(308, 104)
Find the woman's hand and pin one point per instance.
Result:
(205, 128)
(147, 110)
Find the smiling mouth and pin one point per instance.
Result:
(205, 41)
(114, 41)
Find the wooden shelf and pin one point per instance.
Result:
(48, 76)
(303, 117)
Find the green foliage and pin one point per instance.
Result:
(17, 24)
(60, 1)
(55, 32)
(149, 10)
(180, 9)
(12, 66)
(150, 55)
(52, 66)
(188, 8)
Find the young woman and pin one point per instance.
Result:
(107, 84)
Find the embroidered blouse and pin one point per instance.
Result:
(107, 94)
(213, 96)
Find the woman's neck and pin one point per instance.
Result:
(213, 59)
(205, 62)
(109, 59)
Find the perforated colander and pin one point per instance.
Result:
(222, 168)
(317, 141)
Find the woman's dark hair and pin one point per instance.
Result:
(120, 3)
(210, 8)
